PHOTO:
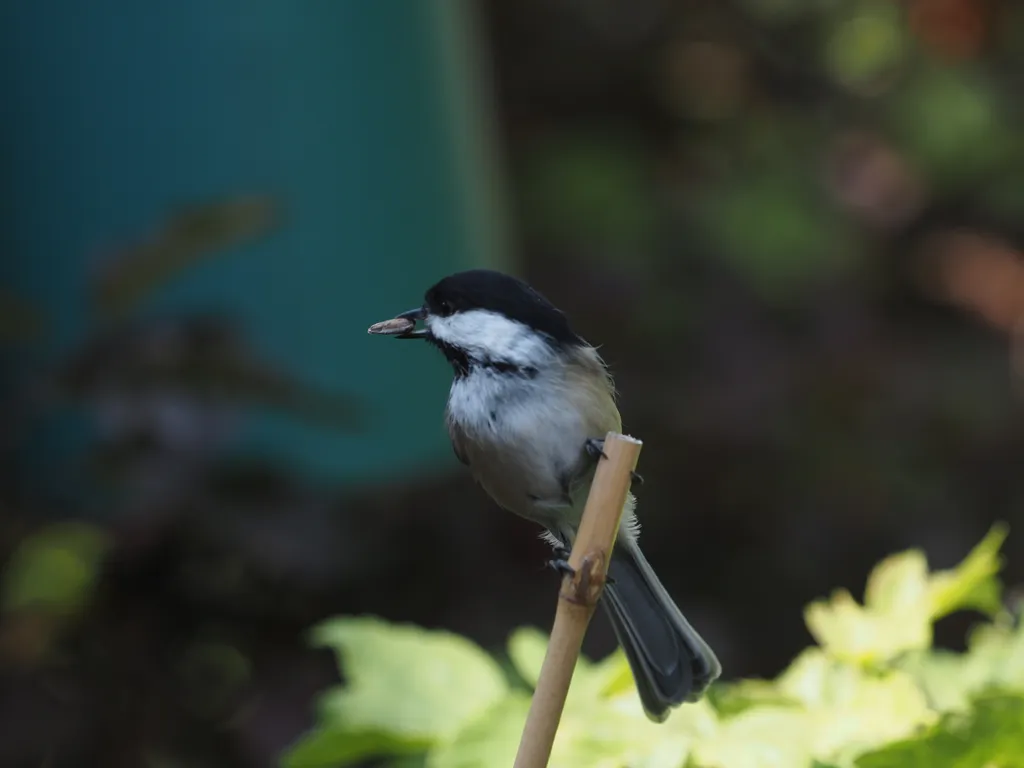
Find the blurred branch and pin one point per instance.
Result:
(201, 356)
(193, 233)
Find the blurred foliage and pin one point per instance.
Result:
(164, 393)
(873, 692)
(901, 602)
(48, 583)
(54, 570)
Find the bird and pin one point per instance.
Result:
(529, 405)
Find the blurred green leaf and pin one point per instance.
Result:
(407, 688)
(867, 43)
(852, 709)
(773, 229)
(612, 676)
(333, 746)
(995, 659)
(55, 569)
(730, 699)
(591, 189)
(527, 647)
(990, 737)
(422, 685)
(765, 737)
(490, 740)
(973, 583)
(862, 635)
(592, 732)
(950, 122)
(902, 600)
(438, 697)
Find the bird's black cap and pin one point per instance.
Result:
(486, 289)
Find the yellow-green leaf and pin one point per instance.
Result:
(329, 747)
(490, 740)
(732, 698)
(763, 737)
(849, 709)
(989, 737)
(851, 632)
(898, 583)
(405, 681)
(526, 648)
(55, 569)
(973, 583)
(995, 659)
(902, 600)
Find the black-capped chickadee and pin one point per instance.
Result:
(529, 405)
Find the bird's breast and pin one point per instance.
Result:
(523, 437)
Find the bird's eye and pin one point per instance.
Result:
(445, 307)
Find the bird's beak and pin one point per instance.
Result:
(402, 326)
(413, 315)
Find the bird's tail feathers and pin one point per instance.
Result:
(671, 663)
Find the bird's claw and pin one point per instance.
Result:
(595, 448)
(560, 563)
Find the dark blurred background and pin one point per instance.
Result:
(793, 226)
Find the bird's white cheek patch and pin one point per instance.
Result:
(492, 336)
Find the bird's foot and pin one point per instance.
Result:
(594, 446)
(560, 563)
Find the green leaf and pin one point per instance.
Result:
(995, 658)
(788, 242)
(526, 648)
(973, 583)
(990, 737)
(1001, 648)
(901, 601)
(867, 44)
(591, 187)
(405, 680)
(859, 634)
(407, 688)
(951, 121)
(763, 737)
(592, 732)
(609, 733)
(947, 679)
(603, 723)
(611, 676)
(849, 709)
(55, 569)
(490, 740)
(437, 698)
(897, 583)
(730, 699)
(335, 746)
